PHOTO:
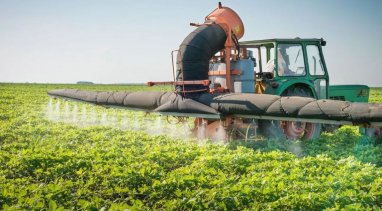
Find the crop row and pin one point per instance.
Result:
(56, 164)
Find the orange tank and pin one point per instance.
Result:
(225, 16)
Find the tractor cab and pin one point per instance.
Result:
(288, 66)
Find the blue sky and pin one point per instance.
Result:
(130, 41)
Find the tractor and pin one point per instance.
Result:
(284, 67)
(296, 67)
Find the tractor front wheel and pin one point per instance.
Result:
(374, 132)
(228, 129)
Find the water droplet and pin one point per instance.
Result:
(49, 110)
(124, 122)
(75, 113)
(220, 133)
(158, 125)
(93, 116)
(66, 110)
(136, 122)
(84, 115)
(57, 111)
(201, 134)
(113, 120)
(104, 118)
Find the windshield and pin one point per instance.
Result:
(290, 60)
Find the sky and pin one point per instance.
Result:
(123, 41)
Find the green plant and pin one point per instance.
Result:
(56, 165)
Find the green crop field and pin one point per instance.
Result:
(68, 155)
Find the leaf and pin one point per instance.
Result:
(52, 205)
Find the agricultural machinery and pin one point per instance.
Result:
(275, 88)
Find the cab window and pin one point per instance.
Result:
(314, 59)
(267, 58)
(290, 60)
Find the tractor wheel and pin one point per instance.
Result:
(242, 131)
(209, 129)
(291, 129)
(330, 128)
(374, 132)
(301, 130)
(271, 129)
(226, 130)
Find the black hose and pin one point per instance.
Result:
(194, 55)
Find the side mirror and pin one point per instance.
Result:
(323, 42)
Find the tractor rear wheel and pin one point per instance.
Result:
(301, 130)
(291, 129)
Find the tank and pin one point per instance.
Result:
(227, 17)
(245, 82)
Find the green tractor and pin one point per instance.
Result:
(296, 67)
